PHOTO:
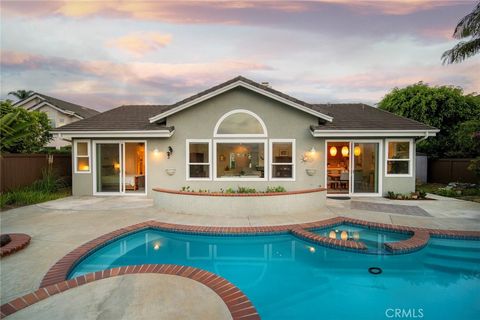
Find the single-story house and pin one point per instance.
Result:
(244, 134)
(59, 112)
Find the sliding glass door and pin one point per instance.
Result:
(120, 167)
(108, 167)
(353, 167)
(365, 167)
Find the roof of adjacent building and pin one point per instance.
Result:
(359, 116)
(123, 118)
(353, 116)
(79, 110)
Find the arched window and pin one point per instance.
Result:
(240, 123)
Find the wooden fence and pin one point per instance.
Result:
(20, 170)
(450, 170)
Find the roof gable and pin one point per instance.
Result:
(60, 105)
(247, 84)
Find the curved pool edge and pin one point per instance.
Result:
(237, 302)
(60, 270)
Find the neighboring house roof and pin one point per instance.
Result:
(61, 105)
(349, 119)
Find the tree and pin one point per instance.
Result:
(468, 27)
(443, 107)
(22, 131)
(21, 94)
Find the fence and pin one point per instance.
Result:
(19, 170)
(450, 170)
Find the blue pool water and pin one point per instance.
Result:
(373, 239)
(288, 278)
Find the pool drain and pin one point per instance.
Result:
(374, 270)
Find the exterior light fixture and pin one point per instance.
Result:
(156, 151)
(345, 151)
(312, 151)
(333, 151)
(357, 151)
(169, 152)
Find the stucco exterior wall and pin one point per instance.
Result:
(198, 122)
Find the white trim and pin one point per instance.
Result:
(43, 103)
(114, 134)
(29, 98)
(373, 133)
(271, 163)
(351, 142)
(75, 156)
(265, 159)
(121, 146)
(239, 83)
(410, 159)
(187, 159)
(239, 135)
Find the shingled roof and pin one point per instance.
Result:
(353, 116)
(123, 118)
(81, 111)
(359, 116)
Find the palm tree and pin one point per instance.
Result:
(469, 26)
(21, 94)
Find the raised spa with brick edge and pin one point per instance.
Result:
(239, 204)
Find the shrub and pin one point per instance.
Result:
(391, 195)
(276, 189)
(246, 190)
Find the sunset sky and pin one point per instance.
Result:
(103, 54)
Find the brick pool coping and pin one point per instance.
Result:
(223, 194)
(57, 274)
(17, 243)
(236, 301)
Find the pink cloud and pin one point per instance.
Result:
(141, 43)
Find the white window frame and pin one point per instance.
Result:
(240, 135)
(410, 158)
(265, 159)
(187, 158)
(271, 158)
(89, 156)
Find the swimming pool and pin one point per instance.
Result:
(288, 278)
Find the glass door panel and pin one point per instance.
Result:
(108, 167)
(365, 167)
(338, 167)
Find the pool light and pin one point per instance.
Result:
(311, 249)
(157, 245)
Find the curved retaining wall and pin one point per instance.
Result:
(239, 204)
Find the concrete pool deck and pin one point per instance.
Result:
(59, 226)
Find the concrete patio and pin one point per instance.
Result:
(59, 226)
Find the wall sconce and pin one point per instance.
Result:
(156, 151)
(169, 152)
(309, 155)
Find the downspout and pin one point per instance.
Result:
(422, 138)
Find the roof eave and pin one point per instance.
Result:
(114, 133)
(374, 133)
(232, 86)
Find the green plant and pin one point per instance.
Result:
(422, 194)
(229, 190)
(50, 182)
(276, 189)
(246, 190)
(447, 192)
(185, 188)
(475, 167)
(391, 195)
(22, 131)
